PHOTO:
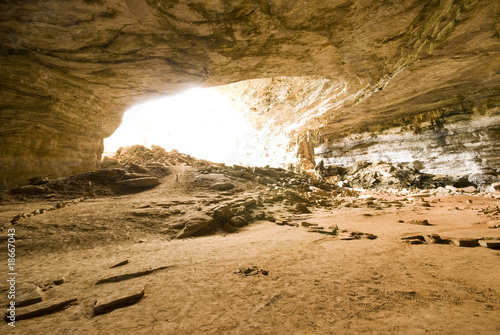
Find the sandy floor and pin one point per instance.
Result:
(317, 284)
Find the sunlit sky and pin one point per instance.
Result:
(200, 122)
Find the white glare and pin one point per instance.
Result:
(199, 122)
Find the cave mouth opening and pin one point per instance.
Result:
(201, 122)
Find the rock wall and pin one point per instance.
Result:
(457, 144)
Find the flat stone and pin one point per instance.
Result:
(43, 308)
(130, 275)
(30, 190)
(492, 244)
(125, 297)
(140, 182)
(466, 242)
(419, 195)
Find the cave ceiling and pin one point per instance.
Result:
(71, 68)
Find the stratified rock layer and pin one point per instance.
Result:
(70, 69)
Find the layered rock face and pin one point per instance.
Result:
(457, 145)
(70, 69)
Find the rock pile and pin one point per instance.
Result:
(138, 154)
(110, 181)
(370, 175)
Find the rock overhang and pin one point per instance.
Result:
(72, 68)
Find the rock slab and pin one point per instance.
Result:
(124, 298)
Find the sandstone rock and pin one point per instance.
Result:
(222, 186)
(30, 190)
(435, 238)
(135, 175)
(122, 263)
(43, 308)
(492, 244)
(195, 224)
(420, 222)
(130, 275)
(238, 221)
(140, 182)
(466, 242)
(412, 241)
(107, 162)
(28, 296)
(469, 189)
(38, 180)
(221, 213)
(228, 227)
(495, 187)
(139, 168)
(109, 174)
(124, 297)
(301, 208)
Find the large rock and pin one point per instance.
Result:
(195, 224)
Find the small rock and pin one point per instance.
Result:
(43, 308)
(133, 175)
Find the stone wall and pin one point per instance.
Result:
(458, 144)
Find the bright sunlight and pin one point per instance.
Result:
(200, 122)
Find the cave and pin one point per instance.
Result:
(236, 167)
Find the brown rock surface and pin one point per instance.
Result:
(69, 69)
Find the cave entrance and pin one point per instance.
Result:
(201, 122)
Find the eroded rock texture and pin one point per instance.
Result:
(70, 69)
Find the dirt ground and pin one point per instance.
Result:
(309, 283)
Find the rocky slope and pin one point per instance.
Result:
(70, 69)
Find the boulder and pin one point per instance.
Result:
(195, 224)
